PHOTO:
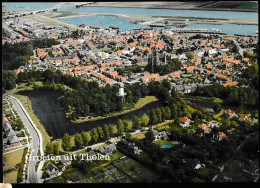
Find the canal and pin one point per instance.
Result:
(45, 106)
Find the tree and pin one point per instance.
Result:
(167, 113)
(196, 120)
(106, 131)
(217, 107)
(174, 111)
(248, 54)
(120, 126)
(149, 136)
(163, 113)
(49, 148)
(100, 133)
(177, 121)
(66, 145)
(127, 126)
(145, 121)
(56, 148)
(112, 129)
(235, 49)
(136, 122)
(78, 140)
(94, 135)
(9, 80)
(159, 114)
(153, 117)
(130, 40)
(85, 138)
(190, 55)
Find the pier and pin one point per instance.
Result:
(199, 30)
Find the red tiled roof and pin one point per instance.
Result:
(184, 119)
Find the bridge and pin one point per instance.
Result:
(71, 4)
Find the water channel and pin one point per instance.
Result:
(45, 106)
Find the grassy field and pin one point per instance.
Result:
(141, 102)
(139, 135)
(163, 126)
(10, 162)
(217, 116)
(101, 50)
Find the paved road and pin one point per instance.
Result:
(32, 175)
(241, 50)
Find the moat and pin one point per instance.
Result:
(46, 107)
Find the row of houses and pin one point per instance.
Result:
(10, 137)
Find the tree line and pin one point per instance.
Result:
(18, 54)
(171, 66)
(176, 108)
(231, 95)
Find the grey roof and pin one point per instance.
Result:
(107, 149)
(206, 81)
(7, 126)
(13, 139)
(10, 132)
(179, 88)
(51, 169)
(155, 132)
(124, 141)
(210, 110)
(187, 87)
(51, 166)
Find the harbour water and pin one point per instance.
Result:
(124, 24)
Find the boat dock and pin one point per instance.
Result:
(199, 30)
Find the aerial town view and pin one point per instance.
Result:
(130, 92)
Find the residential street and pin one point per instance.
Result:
(32, 175)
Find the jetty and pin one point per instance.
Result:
(198, 30)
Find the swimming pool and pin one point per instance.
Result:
(166, 146)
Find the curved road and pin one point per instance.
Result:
(32, 174)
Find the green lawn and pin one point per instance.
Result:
(217, 116)
(139, 135)
(101, 50)
(10, 161)
(163, 126)
(186, 75)
(162, 142)
(143, 101)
